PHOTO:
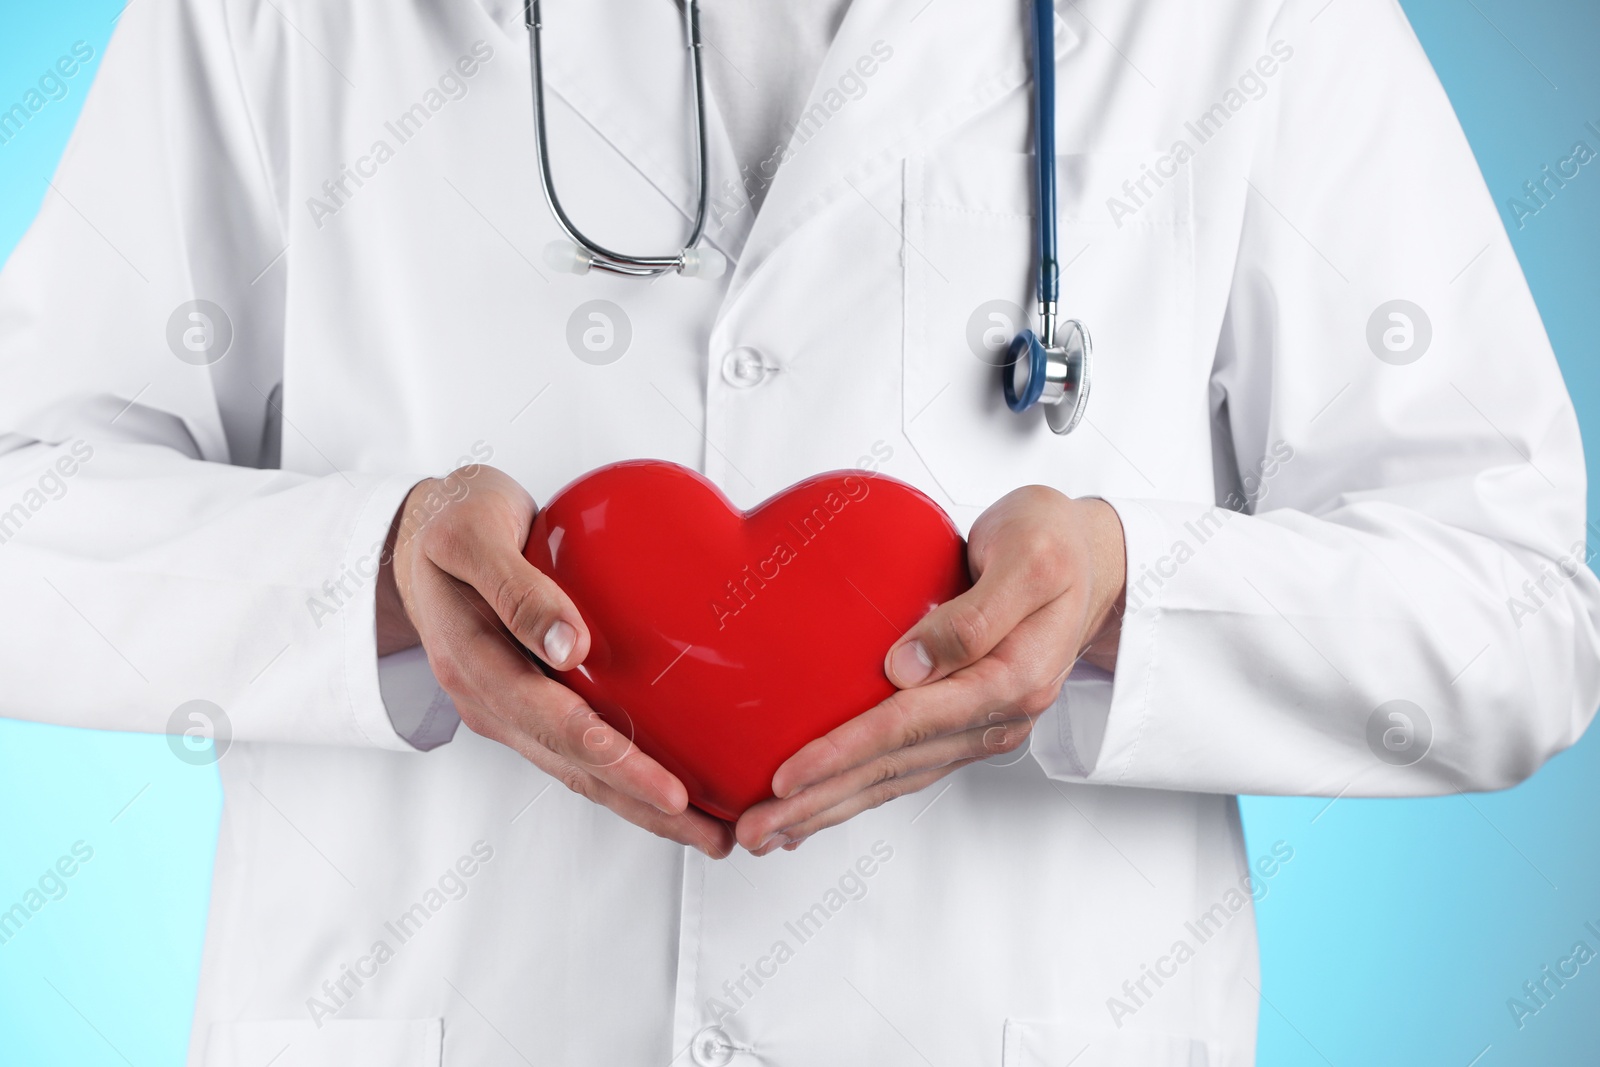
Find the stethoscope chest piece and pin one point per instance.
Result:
(1055, 376)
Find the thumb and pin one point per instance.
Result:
(962, 631)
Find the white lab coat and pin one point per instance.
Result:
(1387, 516)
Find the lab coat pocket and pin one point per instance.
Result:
(1031, 1043)
(970, 286)
(335, 1043)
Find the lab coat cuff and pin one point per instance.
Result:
(419, 710)
(1067, 738)
(362, 559)
(1093, 731)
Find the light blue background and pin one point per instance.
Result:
(1396, 934)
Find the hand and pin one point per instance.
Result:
(973, 675)
(456, 580)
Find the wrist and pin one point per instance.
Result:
(1108, 582)
(395, 631)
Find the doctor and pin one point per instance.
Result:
(1321, 531)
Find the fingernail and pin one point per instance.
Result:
(792, 845)
(772, 841)
(558, 642)
(910, 664)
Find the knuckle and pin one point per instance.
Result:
(440, 539)
(1023, 681)
(992, 678)
(544, 733)
(661, 829)
(1006, 736)
(450, 673)
(513, 515)
(1041, 554)
(968, 628)
(577, 780)
(564, 731)
(888, 769)
(910, 728)
(577, 719)
(522, 606)
(998, 673)
(884, 792)
(1036, 701)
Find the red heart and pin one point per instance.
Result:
(723, 641)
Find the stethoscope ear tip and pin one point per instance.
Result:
(703, 262)
(565, 257)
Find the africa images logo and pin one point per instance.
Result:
(1399, 332)
(599, 332)
(199, 732)
(199, 332)
(1399, 733)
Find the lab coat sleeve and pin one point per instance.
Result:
(1398, 602)
(145, 561)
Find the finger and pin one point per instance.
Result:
(1000, 735)
(525, 599)
(554, 718)
(908, 718)
(856, 803)
(473, 659)
(690, 826)
(1015, 584)
(1022, 676)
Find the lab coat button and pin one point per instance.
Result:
(744, 367)
(711, 1047)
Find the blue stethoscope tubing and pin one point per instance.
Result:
(1038, 370)
(1044, 133)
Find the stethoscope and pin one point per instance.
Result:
(1048, 368)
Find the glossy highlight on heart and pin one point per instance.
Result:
(724, 641)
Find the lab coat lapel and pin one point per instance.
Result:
(948, 61)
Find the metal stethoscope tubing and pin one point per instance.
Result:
(585, 254)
